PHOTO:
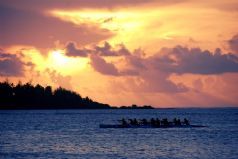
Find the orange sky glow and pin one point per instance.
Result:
(165, 53)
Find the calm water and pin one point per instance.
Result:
(76, 134)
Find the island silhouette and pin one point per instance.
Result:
(29, 96)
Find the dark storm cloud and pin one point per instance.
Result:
(233, 43)
(11, 65)
(36, 29)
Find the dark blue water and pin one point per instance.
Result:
(76, 134)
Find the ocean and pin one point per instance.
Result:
(75, 134)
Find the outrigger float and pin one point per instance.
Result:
(152, 124)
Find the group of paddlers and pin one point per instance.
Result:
(156, 122)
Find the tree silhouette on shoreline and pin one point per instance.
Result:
(28, 96)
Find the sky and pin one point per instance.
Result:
(165, 53)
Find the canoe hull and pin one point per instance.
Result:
(149, 126)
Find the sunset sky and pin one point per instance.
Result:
(165, 53)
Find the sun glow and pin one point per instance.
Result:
(67, 65)
(58, 58)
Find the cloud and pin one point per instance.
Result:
(135, 62)
(107, 50)
(25, 27)
(157, 82)
(145, 80)
(72, 50)
(181, 60)
(79, 4)
(233, 43)
(100, 65)
(28, 22)
(106, 68)
(123, 51)
(152, 73)
(59, 79)
(228, 6)
(11, 65)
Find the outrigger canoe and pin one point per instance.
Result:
(149, 126)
